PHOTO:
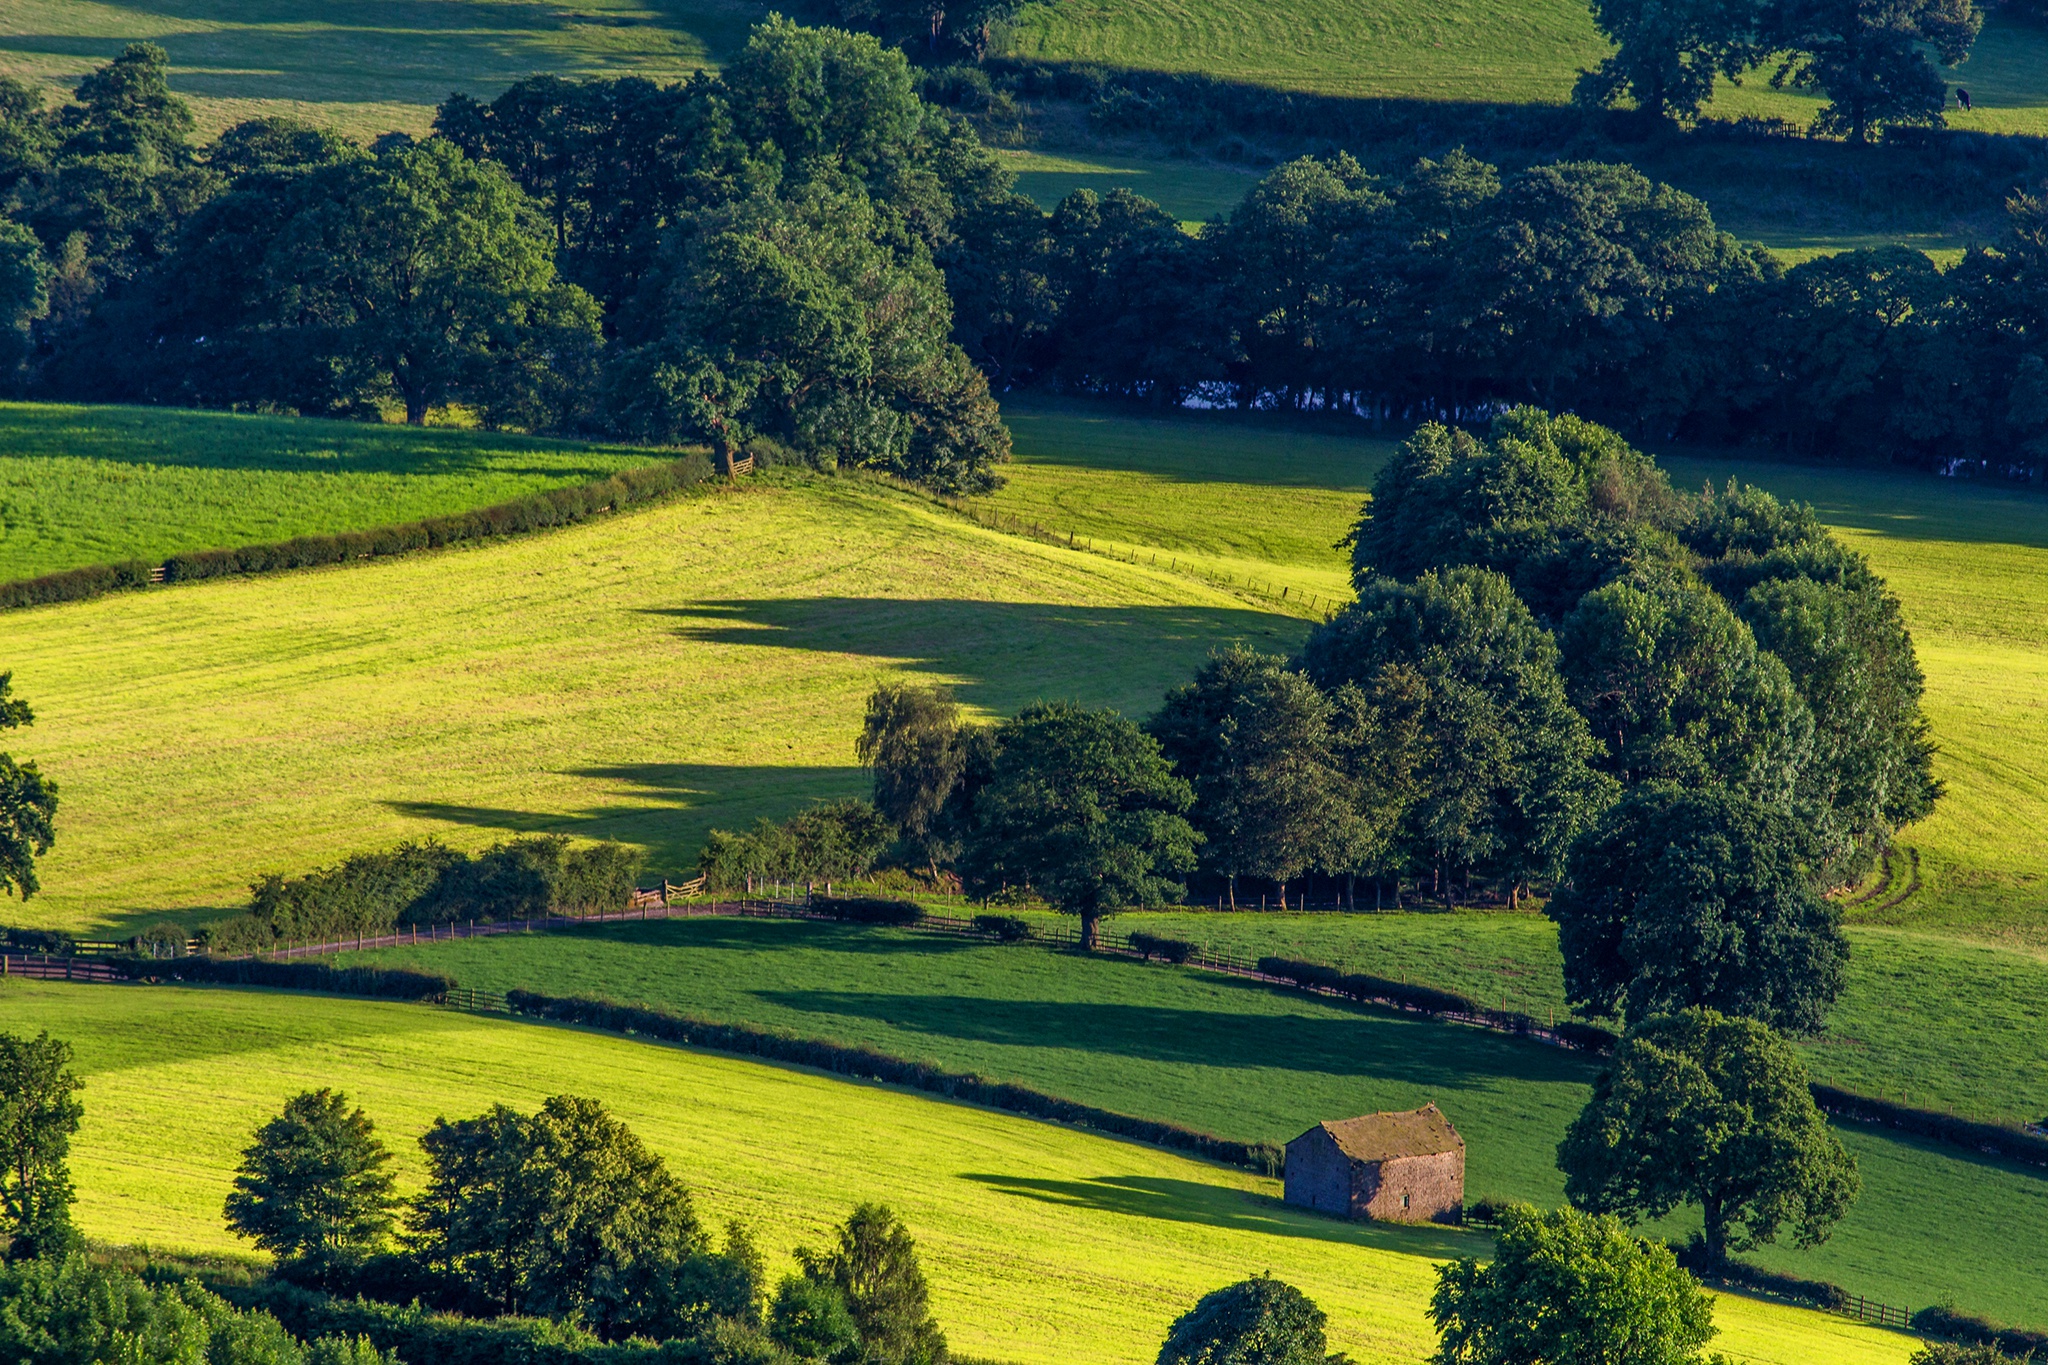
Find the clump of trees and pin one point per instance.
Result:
(1872, 64)
(1260, 1321)
(427, 883)
(565, 1214)
(749, 260)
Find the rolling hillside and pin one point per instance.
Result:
(1043, 1245)
(639, 678)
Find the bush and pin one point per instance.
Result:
(384, 983)
(1359, 986)
(74, 585)
(1941, 1321)
(843, 1060)
(160, 941)
(1170, 949)
(1004, 928)
(1816, 1293)
(868, 909)
(38, 941)
(1989, 1138)
(837, 841)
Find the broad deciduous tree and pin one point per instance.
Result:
(1083, 808)
(28, 805)
(39, 1111)
(1564, 1288)
(313, 1188)
(1701, 1109)
(1260, 1321)
(1685, 897)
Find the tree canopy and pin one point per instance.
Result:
(28, 805)
(1082, 808)
(1564, 1287)
(1701, 1109)
(313, 1189)
(39, 1111)
(1260, 1321)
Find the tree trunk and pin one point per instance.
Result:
(1090, 919)
(1717, 1231)
(1233, 891)
(1283, 892)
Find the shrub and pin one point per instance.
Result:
(160, 941)
(1942, 1321)
(74, 585)
(1170, 949)
(836, 841)
(387, 983)
(868, 909)
(1359, 986)
(1817, 1293)
(1004, 928)
(38, 941)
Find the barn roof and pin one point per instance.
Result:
(1381, 1137)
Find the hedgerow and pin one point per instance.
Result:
(1170, 949)
(844, 1060)
(380, 983)
(868, 909)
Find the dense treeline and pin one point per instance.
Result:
(803, 258)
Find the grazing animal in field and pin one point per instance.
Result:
(1962, 98)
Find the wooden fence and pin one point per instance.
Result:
(1869, 1310)
(43, 967)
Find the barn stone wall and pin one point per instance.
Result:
(1412, 1189)
(1318, 1175)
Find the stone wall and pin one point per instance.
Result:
(1412, 1189)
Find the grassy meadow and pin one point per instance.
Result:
(1494, 51)
(1042, 1244)
(642, 678)
(1245, 1061)
(93, 484)
(361, 68)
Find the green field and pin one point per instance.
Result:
(1042, 1244)
(366, 68)
(1482, 51)
(640, 678)
(90, 485)
(1939, 1023)
(1245, 1061)
(1189, 190)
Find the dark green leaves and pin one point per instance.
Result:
(312, 1188)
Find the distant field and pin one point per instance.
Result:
(1493, 51)
(366, 68)
(1042, 1244)
(1247, 1062)
(1901, 1030)
(1190, 191)
(640, 678)
(88, 485)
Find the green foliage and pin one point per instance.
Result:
(1081, 807)
(1869, 61)
(874, 1270)
(1705, 1110)
(1680, 898)
(811, 1318)
(1260, 1321)
(563, 1213)
(1952, 1353)
(833, 841)
(1500, 777)
(911, 740)
(39, 1111)
(1563, 1288)
(1668, 55)
(313, 1189)
(28, 805)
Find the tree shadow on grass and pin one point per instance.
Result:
(1001, 655)
(1395, 1049)
(1218, 1206)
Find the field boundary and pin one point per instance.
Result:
(546, 510)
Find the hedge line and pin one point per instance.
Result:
(868, 909)
(1817, 1293)
(1428, 1000)
(1989, 1138)
(1152, 945)
(880, 1066)
(381, 983)
(1947, 1322)
(1005, 928)
(534, 512)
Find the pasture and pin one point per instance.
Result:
(1244, 1061)
(365, 69)
(90, 485)
(1042, 1244)
(1492, 51)
(639, 678)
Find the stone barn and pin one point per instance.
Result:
(1396, 1168)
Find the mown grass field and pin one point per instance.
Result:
(366, 68)
(1504, 51)
(89, 485)
(1190, 191)
(1042, 1244)
(641, 678)
(1245, 1061)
